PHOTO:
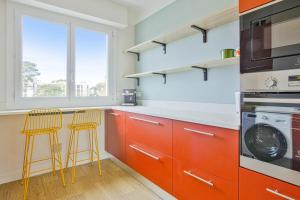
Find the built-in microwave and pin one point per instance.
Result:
(270, 38)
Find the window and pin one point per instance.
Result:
(44, 58)
(59, 60)
(91, 63)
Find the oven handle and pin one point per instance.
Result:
(270, 100)
(279, 194)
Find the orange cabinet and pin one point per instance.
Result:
(149, 148)
(152, 132)
(115, 133)
(250, 4)
(205, 161)
(190, 183)
(150, 163)
(256, 186)
(207, 148)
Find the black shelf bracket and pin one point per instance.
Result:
(137, 80)
(136, 53)
(163, 75)
(204, 32)
(204, 71)
(164, 45)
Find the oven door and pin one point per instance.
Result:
(270, 38)
(267, 137)
(270, 131)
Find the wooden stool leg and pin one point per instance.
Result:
(25, 160)
(28, 168)
(70, 145)
(58, 151)
(97, 150)
(51, 143)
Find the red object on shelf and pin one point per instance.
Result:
(115, 133)
(246, 5)
(253, 185)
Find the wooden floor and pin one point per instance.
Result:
(114, 184)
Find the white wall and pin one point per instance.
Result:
(12, 142)
(2, 51)
(12, 146)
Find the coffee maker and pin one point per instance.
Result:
(129, 97)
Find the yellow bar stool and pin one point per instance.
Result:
(87, 121)
(40, 122)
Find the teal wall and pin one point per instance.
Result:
(188, 86)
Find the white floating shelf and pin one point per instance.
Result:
(213, 21)
(201, 65)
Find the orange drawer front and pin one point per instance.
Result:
(253, 185)
(153, 132)
(153, 165)
(205, 148)
(250, 4)
(192, 184)
(115, 133)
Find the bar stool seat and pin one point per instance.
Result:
(41, 131)
(83, 126)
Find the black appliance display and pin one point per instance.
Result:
(270, 38)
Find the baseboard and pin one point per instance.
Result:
(153, 187)
(16, 174)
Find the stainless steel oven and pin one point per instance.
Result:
(270, 38)
(270, 134)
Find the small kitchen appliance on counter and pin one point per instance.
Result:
(270, 89)
(129, 97)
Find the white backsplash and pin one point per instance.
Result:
(192, 106)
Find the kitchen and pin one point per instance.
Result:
(173, 99)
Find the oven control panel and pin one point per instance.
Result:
(284, 80)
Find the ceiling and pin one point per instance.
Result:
(144, 8)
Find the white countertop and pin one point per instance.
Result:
(228, 120)
(223, 120)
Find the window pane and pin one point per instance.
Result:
(91, 63)
(44, 58)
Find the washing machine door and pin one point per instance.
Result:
(265, 142)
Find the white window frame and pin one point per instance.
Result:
(14, 94)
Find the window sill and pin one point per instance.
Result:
(64, 110)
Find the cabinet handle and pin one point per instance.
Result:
(279, 194)
(200, 132)
(144, 152)
(145, 120)
(114, 114)
(198, 178)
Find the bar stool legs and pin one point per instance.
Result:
(28, 161)
(72, 152)
(29, 145)
(97, 151)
